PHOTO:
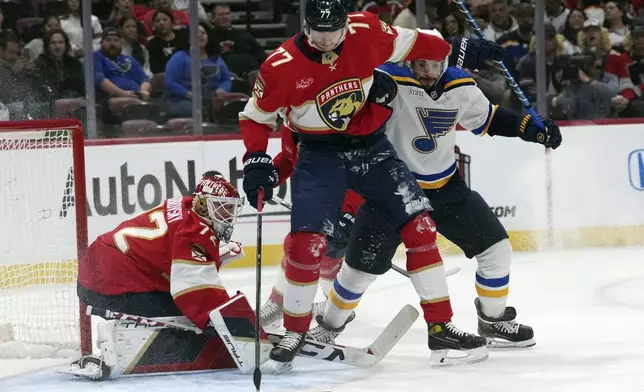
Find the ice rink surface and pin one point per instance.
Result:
(586, 307)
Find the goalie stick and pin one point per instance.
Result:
(360, 357)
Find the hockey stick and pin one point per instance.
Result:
(257, 374)
(517, 91)
(404, 273)
(500, 66)
(360, 357)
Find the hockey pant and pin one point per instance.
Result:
(462, 216)
(319, 183)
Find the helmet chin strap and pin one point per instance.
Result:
(307, 32)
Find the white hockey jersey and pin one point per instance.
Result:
(422, 127)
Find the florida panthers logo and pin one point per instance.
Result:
(339, 102)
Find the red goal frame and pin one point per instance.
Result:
(80, 195)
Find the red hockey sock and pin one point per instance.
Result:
(426, 270)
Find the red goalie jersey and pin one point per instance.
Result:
(326, 93)
(170, 248)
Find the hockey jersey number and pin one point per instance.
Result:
(156, 216)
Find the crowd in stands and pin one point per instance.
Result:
(142, 61)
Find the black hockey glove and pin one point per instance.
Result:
(383, 90)
(259, 172)
(550, 136)
(474, 53)
(339, 241)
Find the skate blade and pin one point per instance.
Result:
(441, 358)
(502, 344)
(282, 367)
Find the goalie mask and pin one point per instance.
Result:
(428, 72)
(219, 204)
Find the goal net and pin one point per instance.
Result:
(43, 230)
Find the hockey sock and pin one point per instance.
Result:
(345, 295)
(329, 268)
(493, 278)
(302, 274)
(277, 293)
(426, 269)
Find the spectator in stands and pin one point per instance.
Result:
(61, 73)
(453, 26)
(387, 10)
(594, 10)
(180, 18)
(118, 75)
(164, 43)
(239, 49)
(590, 95)
(501, 22)
(527, 67)
(131, 45)
(123, 10)
(184, 5)
(216, 79)
(517, 43)
(72, 23)
(35, 47)
(617, 24)
(593, 37)
(556, 14)
(573, 26)
(634, 55)
(19, 89)
(481, 13)
(407, 17)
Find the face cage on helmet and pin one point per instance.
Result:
(223, 212)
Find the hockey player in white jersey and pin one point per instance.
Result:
(431, 100)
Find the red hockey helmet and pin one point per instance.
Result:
(219, 204)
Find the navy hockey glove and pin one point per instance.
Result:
(383, 90)
(474, 53)
(339, 241)
(259, 172)
(550, 136)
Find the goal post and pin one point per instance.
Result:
(43, 234)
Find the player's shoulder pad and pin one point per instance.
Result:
(400, 74)
(455, 77)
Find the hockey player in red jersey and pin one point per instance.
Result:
(320, 82)
(165, 263)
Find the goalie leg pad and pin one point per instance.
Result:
(127, 347)
(234, 322)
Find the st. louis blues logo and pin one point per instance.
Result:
(339, 102)
(436, 123)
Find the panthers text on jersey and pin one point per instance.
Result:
(168, 248)
(326, 93)
(422, 127)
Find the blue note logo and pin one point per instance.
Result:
(636, 169)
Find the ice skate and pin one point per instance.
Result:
(326, 334)
(270, 315)
(286, 350)
(444, 337)
(504, 332)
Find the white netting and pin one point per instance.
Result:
(38, 303)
